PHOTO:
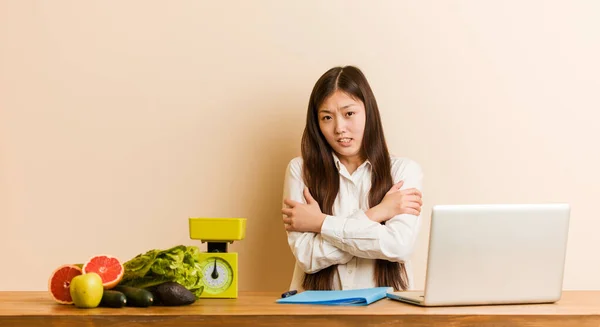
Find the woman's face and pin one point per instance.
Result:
(342, 121)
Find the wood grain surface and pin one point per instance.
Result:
(576, 308)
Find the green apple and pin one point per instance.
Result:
(86, 290)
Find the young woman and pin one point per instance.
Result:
(351, 211)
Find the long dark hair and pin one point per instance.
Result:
(322, 178)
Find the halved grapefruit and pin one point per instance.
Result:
(108, 267)
(59, 282)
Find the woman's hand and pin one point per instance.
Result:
(300, 217)
(396, 202)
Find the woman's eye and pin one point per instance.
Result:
(326, 117)
(350, 113)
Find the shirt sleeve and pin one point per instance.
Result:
(312, 251)
(365, 238)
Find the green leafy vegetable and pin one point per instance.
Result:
(178, 264)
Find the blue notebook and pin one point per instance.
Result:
(364, 296)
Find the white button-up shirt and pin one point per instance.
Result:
(349, 238)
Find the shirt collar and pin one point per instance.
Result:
(338, 163)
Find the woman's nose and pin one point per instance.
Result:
(340, 127)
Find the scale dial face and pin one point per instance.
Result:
(217, 275)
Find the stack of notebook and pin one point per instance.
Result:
(363, 296)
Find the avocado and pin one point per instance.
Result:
(172, 294)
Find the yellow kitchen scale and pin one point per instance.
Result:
(219, 267)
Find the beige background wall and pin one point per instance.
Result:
(118, 120)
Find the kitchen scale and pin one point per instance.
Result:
(218, 266)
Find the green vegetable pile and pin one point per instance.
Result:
(178, 264)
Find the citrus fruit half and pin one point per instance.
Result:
(59, 282)
(108, 267)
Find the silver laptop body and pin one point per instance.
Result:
(494, 254)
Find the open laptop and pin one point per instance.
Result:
(494, 254)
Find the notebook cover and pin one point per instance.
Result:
(364, 296)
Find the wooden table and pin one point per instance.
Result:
(576, 308)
